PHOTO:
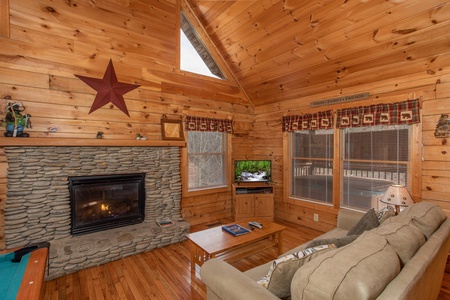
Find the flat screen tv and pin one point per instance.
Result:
(252, 170)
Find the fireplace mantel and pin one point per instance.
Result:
(67, 142)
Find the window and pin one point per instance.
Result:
(312, 165)
(207, 160)
(373, 158)
(373, 149)
(194, 55)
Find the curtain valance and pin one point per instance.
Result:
(406, 112)
(208, 124)
(319, 120)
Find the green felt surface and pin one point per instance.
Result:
(11, 275)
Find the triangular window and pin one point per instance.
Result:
(194, 56)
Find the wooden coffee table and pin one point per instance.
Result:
(215, 242)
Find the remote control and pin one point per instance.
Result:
(256, 224)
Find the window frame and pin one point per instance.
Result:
(414, 182)
(185, 172)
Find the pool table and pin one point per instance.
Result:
(23, 279)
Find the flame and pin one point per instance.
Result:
(105, 207)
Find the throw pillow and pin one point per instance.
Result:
(281, 271)
(385, 213)
(360, 270)
(367, 222)
(338, 242)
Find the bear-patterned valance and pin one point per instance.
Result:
(208, 124)
(406, 112)
(319, 120)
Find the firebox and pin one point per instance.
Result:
(106, 201)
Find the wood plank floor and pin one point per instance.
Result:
(165, 273)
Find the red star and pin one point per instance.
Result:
(108, 89)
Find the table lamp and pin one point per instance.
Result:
(397, 195)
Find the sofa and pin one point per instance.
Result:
(393, 257)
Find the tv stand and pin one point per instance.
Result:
(253, 200)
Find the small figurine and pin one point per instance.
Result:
(15, 121)
(140, 137)
(99, 135)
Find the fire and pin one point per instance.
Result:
(105, 207)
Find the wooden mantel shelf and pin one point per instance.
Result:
(68, 142)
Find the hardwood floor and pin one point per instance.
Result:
(165, 273)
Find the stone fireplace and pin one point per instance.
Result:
(38, 205)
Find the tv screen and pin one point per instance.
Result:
(252, 170)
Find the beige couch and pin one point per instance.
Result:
(403, 258)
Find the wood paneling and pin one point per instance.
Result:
(43, 44)
(278, 57)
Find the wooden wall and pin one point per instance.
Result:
(431, 155)
(44, 43)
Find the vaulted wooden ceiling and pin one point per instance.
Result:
(289, 49)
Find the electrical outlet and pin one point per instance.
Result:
(316, 217)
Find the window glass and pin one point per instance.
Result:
(373, 158)
(194, 56)
(206, 160)
(312, 165)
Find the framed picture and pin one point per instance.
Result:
(172, 129)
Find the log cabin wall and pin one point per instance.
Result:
(287, 54)
(284, 54)
(44, 43)
(430, 154)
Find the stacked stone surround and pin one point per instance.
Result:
(38, 202)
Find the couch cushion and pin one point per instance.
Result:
(281, 271)
(368, 221)
(339, 242)
(359, 270)
(426, 216)
(405, 239)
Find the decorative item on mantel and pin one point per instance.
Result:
(172, 129)
(443, 127)
(140, 137)
(109, 89)
(15, 121)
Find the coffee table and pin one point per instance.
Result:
(215, 242)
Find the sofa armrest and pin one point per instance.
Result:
(227, 282)
(348, 218)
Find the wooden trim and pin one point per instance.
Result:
(67, 142)
(416, 162)
(178, 37)
(286, 168)
(4, 18)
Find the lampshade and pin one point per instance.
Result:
(397, 195)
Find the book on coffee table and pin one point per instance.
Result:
(235, 229)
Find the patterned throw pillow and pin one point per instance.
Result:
(385, 213)
(278, 279)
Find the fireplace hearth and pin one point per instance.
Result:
(37, 206)
(105, 202)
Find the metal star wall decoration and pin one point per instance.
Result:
(109, 89)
